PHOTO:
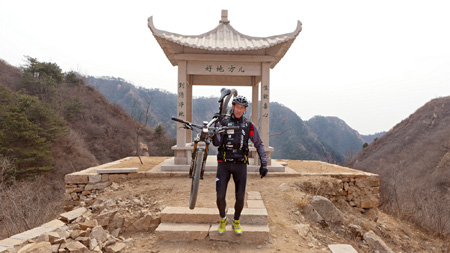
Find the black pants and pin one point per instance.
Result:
(224, 172)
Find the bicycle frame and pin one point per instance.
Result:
(208, 130)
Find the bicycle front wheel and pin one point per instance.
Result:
(198, 163)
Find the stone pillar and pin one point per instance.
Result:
(255, 111)
(189, 108)
(265, 103)
(265, 108)
(179, 150)
(255, 118)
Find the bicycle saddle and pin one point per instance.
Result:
(223, 93)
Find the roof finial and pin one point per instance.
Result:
(224, 19)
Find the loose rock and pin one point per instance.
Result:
(327, 210)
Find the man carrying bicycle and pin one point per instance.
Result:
(232, 159)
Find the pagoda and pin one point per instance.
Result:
(223, 57)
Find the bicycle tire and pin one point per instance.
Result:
(198, 163)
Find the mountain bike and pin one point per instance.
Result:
(207, 131)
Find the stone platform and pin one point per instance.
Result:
(183, 224)
(211, 165)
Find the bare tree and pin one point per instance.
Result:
(142, 120)
(349, 154)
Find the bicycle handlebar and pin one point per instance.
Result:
(180, 120)
(190, 125)
(187, 123)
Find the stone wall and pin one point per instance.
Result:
(82, 185)
(361, 191)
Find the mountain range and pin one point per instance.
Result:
(320, 138)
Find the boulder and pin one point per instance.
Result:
(75, 233)
(88, 224)
(117, 247)
(376, 243)
(116, 222)
(76, 247)
(143, 223)
(311, 214)
(73, 215)
(327, 210)
(116, 232)
(84, 240)
(40, 247)
(99, 234)
(93, 243)
(55, 237)
(104, 218)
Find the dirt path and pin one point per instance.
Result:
(283, 197)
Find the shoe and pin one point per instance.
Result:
(222, 226)
(237, 227)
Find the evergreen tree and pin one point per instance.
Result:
(27, 128)
(41, 78)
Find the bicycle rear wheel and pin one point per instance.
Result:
(198, 163)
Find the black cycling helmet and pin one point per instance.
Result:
(240, 100)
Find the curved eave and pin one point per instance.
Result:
(224, 38)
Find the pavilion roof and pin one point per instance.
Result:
(223, 38)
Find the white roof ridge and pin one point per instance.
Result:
(224, 38)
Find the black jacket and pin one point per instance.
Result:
(233, 144)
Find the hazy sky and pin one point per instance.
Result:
(370, 63)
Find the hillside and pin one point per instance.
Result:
(99, 130)
(336, 132)
(413, 161)
(291, 137)
(53, 124)
(162, 105)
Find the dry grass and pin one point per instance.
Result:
(28, 204)
(302, 202)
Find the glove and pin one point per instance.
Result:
(263, 170)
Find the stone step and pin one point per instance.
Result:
(251, 234)
(184, 224)
(182, 231)
(193, 231)
(253, 216)
(172, 214)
